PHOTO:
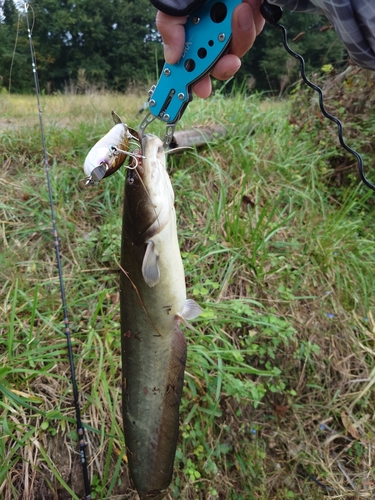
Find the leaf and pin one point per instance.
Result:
(349, 426)
(25, 395)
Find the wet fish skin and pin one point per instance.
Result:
(153, 302)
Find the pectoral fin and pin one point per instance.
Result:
(191, 310)
(150, 268)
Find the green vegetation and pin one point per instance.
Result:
(278, 248)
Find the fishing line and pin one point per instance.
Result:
(67, 330)
(14, 52)
(273, 14)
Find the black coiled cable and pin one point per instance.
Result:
(272, 14)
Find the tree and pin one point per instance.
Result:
(114, 43)
(270, 64)
(136, 49)
(110, 41)
(15, 66)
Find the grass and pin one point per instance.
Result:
(278, 401)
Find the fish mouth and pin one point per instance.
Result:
(143, 143)
(147, 140)
(148, 165)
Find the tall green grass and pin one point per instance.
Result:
(278, 391)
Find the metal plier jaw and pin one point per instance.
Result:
(150, 117)
(208, 32)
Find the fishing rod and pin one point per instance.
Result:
(67, 331)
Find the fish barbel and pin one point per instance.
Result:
(153, 303)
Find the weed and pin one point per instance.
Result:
(279, 381)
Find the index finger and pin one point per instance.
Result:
(172, 31)
(247, 23)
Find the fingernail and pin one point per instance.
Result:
(168, 54)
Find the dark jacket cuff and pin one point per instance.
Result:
(177, 7)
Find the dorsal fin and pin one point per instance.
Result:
(116, 117)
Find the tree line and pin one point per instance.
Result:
(114, 44)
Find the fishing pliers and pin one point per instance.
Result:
(208, 32)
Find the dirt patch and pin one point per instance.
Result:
(37, 482)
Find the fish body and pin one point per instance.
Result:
(153, 302)
(110, 152)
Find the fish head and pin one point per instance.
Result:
(149, 196)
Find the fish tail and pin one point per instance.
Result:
(153, 476)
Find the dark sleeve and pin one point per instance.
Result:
(354, 22)
(177, 7)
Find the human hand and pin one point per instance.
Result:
(247, 23)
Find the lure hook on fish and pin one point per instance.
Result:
(135, 156)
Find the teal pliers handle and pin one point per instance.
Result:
(208, 32)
